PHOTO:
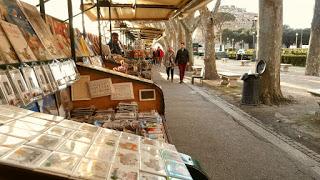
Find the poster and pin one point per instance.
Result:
(8, 55)
(100, 88)
(14, 15)
(122, 91)
(79, 90)
(18, 42)
(42, 30)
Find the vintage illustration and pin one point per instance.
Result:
(46, 142)
(60, 162)
(8, 55)
(122, 91)
(74, 147)
(100, 88)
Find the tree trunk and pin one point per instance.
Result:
(270, 38)
(209, 33)
(313, 59)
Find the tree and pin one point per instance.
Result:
(190, 25)
(269, 49)
(207, 20)
(313, 58)
(220, 19)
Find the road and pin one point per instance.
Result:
(225, 149)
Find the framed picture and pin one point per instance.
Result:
(42, 80)
(31, 81)
(100, 88)
(7, 89)
(47, 71)
(79, 90)
(20, 86)
(147, 94)
(122, 91)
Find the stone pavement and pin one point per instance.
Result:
(225, 148)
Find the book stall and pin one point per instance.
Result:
(68, 112)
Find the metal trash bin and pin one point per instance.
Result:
(251, 85)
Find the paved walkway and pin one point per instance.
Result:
(225, 149)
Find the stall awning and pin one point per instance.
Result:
(155, 10)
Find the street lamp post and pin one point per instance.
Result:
(254, 45)
(227, 45)
(301, 38)
(297, 40)
(232, 40)
(242, 43)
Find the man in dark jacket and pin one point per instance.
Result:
(182, 59)
(114, 44)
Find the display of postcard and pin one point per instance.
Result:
(27, 126)
(18, 42)
(82, 136)
(38, 121)
(2, 98)
(69, 70)
(60, 131)
(58, 75)
(86, 61)
(14, 15)
(152, 164)
(48, 105)
(100, 88)
(42, 80)
(167, 146)
(92, 169)
(148, 176)
(47, 117)
(89, 128)
(15, 109)
(129, 145)
(147, 141)
(110, 132)
(46, 141)
(123, 173)
(11, 114)
(127, 158)
(31, 81)
(130, 137)
(150, 150)
(20, 85)
(60, 162)
(42, 30)
(27, 156)
(101, 153)
(122, 91)
(17, 132)
(171, 155)
(5, 120)
(49, 77)
(107, 140)
(74, 147)
(177, 170)
(4, 151)
(7, 53)
(70, 124)
(10, 141)
(7, 89)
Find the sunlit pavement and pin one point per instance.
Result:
(225, 149)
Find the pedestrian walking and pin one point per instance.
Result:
(169, 63)
(160, 55)
(182, 60)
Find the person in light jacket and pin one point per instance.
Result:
(182, 60)
(169, 63)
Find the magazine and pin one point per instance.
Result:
(42, 30)
(15, 16)
(18, 42)
(8, 55)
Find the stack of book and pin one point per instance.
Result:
(127, 107)
(83, 114)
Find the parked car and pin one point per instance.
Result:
(241, 54)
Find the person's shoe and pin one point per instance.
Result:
(171, 80)
(181, 82)
(167, 78)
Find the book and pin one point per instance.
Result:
(7, 53)
(18, 42)
(15, 16)
(42, 30)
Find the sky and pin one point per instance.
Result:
(296, 13)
